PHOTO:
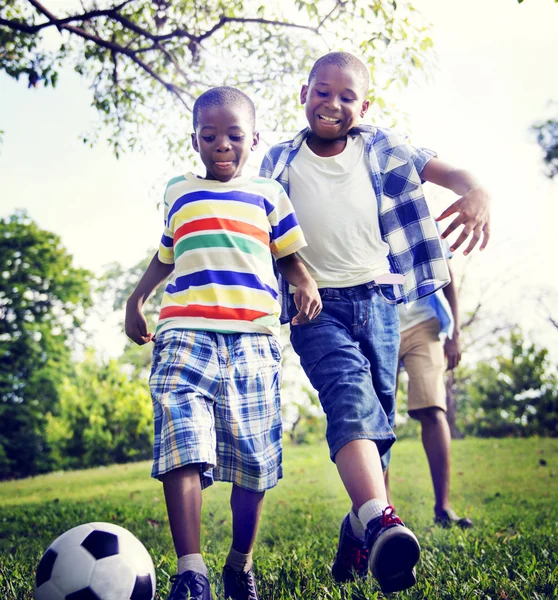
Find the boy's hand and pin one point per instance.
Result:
(136, 326)
(474, 215)
(308, 302)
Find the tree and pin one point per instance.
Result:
(103, 417)
(147, 60)
(547, 138)
(117, 284)
(43, 299)
(514, 394)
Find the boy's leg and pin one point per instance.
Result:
(360, 468)
(249, 435)
(184, 445)
(183, 496)
(246, 507)
(349, 353)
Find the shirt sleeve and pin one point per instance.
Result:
(420, 157)
(266, 169)
(166, 246)
(286, 236)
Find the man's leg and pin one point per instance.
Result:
(436, 440)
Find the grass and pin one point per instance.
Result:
(508, 487)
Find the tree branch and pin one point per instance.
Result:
(87, 16)
(223, 20)
(174, 89)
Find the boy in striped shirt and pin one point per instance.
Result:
(215, 377)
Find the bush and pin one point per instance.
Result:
(102, 417)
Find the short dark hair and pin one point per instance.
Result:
(344, 60)
(224, 96)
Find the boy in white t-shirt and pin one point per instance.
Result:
(371, 244)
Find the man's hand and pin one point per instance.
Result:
(474, 214)
(452, 351)
(136, 325)
(308, 302)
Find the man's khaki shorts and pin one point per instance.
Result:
(422, 354)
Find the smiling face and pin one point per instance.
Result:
(224, 138)
(335, 101)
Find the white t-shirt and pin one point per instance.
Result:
(336, 206)
(420, 311)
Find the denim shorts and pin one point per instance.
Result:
(216, 403)
(349, 353)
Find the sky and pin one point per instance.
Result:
(494, 76)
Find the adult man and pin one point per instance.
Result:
(430, 344)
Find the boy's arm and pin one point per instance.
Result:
(473, 206)
(452, 347)
(306, 298)
(135, 323)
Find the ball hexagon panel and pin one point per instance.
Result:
(72, 569)
(112, 578)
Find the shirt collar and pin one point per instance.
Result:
(297, 141)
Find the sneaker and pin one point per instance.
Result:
(190, 586)
(351, 560)
(239, 585)
(447, 518)
(394, 552)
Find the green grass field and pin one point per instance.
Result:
(508, 487)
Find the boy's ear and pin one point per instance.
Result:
(255, 140)
(195, 142)
(303, 94)
(365, 107)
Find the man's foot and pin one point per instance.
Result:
(394, 552)
(190, 586)
(351, 560)
(447, 518)
(239, 585)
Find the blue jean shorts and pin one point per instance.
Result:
(216, 403)
(349, 353)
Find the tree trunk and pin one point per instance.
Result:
(451, 414)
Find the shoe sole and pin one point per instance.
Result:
(393, 558)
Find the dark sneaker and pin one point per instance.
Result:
(190, 586)
(351, 560)
(239, 585)
(447, 518)
(394, 552)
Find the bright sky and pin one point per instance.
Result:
(495, 75)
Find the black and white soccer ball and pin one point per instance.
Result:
(95, 561)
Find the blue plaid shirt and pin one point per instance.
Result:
(405, 220)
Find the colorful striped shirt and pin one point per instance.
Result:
(222, 238)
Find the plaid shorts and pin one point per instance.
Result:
(216, 402)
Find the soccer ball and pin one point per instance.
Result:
(95, 561)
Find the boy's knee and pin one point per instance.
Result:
(428, 416)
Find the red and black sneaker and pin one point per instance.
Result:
(351, 560)
(394, 552)
(239, 585)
